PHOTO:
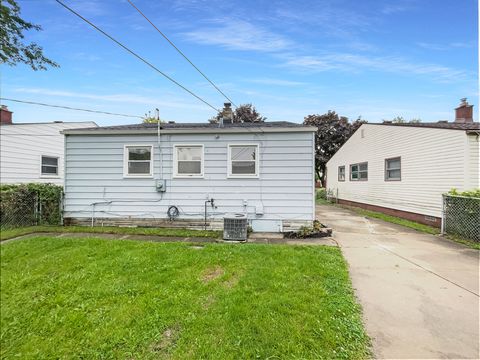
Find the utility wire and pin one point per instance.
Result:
(137, 56)
(181, 53)
(69, 108)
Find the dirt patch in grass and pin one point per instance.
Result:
(166, 341)
(212, 274)
(209, 301)
(232, 281)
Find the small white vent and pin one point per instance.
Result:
(235, 227)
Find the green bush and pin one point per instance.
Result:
(30, 204)
(322, 193)
(475, 193)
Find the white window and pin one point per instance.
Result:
(49, 166)
(188, 160)
(341, 173)
(359, 172)
(243, 160)
(138, 161)
(393, 169)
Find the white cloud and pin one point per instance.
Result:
(356, 63)
(445, 47)
(238, 35)
(149, 101)
(276, 82)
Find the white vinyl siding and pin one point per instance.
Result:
(433, 161)
(284, 190)
(243, 161)
(22, 147)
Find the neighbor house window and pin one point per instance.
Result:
(188, 160)
(359, 172)
(341, 173)
(138, 161)
(49, 166)
(242, 160)
(393, 169)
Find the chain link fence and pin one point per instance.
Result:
(461, 216)
(30, 204)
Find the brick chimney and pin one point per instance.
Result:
(464, 113)
(5, 115)
(227, 113)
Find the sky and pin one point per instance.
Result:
(371, 59)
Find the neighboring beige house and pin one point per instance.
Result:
(403, 169)
(33, 152)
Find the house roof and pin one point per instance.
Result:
(271, 126)
(475, 126)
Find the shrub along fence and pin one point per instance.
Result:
(30, 204)
(461, 214)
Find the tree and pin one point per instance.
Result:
(13, 50)
(245, 113)
(333, 131)
(401, 120)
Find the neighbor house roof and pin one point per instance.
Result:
(271, 126)
(473, 126)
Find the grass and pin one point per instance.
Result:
(11, 233)
(91, 298)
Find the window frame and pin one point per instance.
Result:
(358, 164)
(48, 175)
(126, 160)
(399, 158)
(230, 175)
(175, 162)
(344, 173)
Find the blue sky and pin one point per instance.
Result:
(374, 59)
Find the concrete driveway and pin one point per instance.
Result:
(419, 292)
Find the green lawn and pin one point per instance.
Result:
(90, 298)
(11, 233)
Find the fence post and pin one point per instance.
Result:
(442, 231)
(60, 207)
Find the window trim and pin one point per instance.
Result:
(175, 162)
(126, 160)
(50, 176)
(358, 164)
(386, 170)
(344, 173)
(230, 175)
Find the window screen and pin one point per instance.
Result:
(49, 165)
(393, 169)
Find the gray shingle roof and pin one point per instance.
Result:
(438, 125)
(193, 126)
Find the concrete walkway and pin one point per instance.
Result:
(419, 292)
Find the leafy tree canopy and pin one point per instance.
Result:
(401, 120)
(333, 131)
(13, 49)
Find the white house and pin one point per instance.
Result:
(32, 152)
(403, 169)
(145, 175)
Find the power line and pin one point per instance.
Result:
(69, 108)
(137, 56)
(181, 53)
